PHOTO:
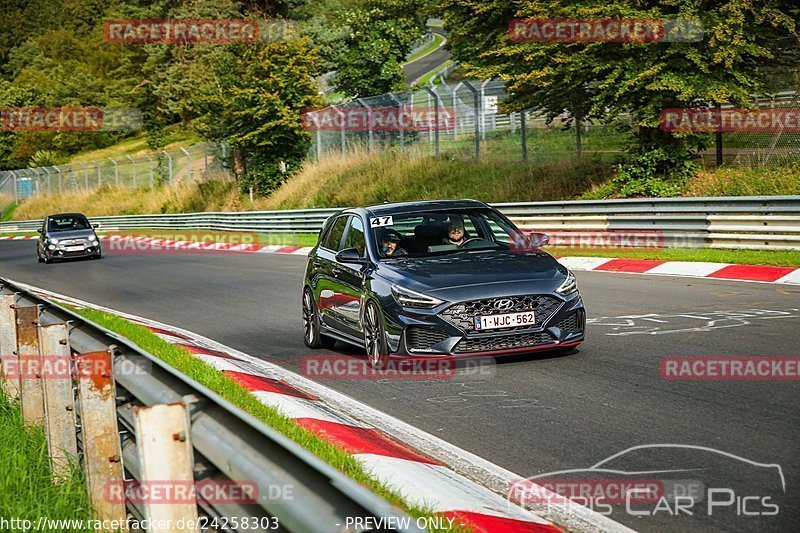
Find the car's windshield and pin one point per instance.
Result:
(434, 233)
(67, 223)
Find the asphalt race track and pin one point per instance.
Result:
(425, 64)
(533, 414)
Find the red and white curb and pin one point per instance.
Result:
(427, 471)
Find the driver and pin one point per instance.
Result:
(456, 234)
(389, 240)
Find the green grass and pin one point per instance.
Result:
(27, 491)
(194, 368)
(425, 79)
(435, 43)
(174, 138)
(787, 258)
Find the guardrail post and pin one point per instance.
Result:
(31, 395)
(59, 408)
(164, 447)
(102, 451)
(8, 345)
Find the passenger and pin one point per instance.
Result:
(390, 244)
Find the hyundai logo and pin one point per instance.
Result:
(503, 304)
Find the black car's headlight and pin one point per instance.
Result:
(408, 298)
(569, 286)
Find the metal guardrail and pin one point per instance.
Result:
(757, 222)
(222, 443)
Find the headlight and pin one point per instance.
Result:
(569, 286)
(53, 241)
(51, 247)
(414, 299)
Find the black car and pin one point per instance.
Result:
(67, 235)
(437, 279)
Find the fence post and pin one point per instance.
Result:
(62, 443)
(454, 91)
(31, 391)
(188, 164)
(341, 129)
(99, 175)
(483, 109)
(116, 171)
(102, 451)
(369, 123)
(133, 165)
(48, 179)
(86, 175)
(169, 159)
(523, 131)
(205, 162)
(16, 193)
(164, 448)
(150, 159)
(224, 148)
(435, 96)
(400, 117)
(8, 345)
(718, 139)
(477, 110)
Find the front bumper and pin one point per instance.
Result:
(434, 333)
(62, 253)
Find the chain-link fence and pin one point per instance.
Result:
(196, 163)
(463, 120)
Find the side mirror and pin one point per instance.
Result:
(351, 255)
(39, 231)
(95, 226)
(538, 239)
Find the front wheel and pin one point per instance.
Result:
(312, 329)
(374, 337)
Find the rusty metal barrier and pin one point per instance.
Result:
(138, 428)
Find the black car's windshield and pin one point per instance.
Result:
(67, 223)
(434, 233)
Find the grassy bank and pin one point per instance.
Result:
(26, 488)
(362, 178)
(194, 368)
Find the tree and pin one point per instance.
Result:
(256, 106)
(382, 33)
(742, 39)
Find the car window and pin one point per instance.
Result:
(355, 236)
(334, 237)
(67, 223)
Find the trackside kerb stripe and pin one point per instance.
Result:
(203, 351)
(483, 523)
(255, 383)
(752, 273)
(358, 440)
(629, 265)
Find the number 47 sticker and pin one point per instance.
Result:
(377, 222)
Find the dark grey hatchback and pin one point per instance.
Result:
(435, 280)
(65, 236)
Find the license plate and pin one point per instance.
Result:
(74, 248)
(508, 320)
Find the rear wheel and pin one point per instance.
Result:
(374, 336)
(312, 329)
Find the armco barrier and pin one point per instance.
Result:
(134, 418)
(757, 222)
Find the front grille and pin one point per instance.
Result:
(574, 323)
(462, 315)
(505, 342)
(422, 338)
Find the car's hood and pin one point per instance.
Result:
(481, 274)
(76, 234)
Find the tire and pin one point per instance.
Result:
(312, 329)
(375, 336)
(39, 258)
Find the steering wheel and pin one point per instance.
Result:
(469, 240)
